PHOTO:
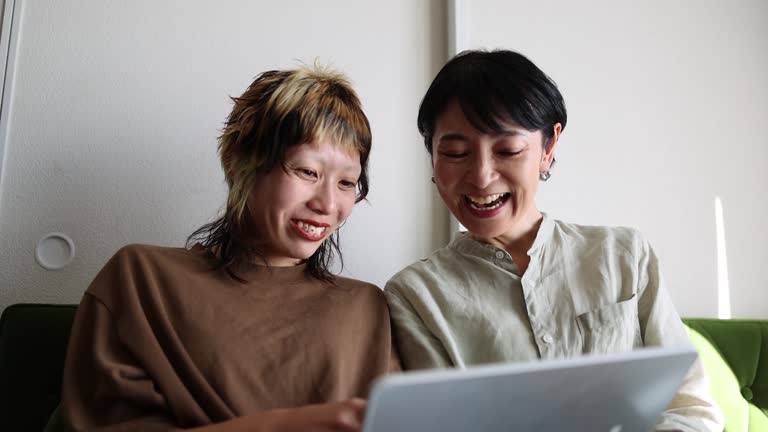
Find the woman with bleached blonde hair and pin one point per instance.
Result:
(245, 329)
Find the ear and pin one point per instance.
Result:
(549, 152)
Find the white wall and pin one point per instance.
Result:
(116, 108)
(667, 105)
(116, 105)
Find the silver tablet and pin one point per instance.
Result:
(623, 392)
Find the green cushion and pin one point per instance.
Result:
(54, 423)
(735, 355)
(758, 421)
(33, 344)
(723, 384)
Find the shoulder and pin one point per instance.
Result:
(419, 277)
(589, 237)
(132, 266)
(137, 251)
(422, 268)
(357, 294)
(146, 256)
(358, 287)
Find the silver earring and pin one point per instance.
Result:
(544, 176)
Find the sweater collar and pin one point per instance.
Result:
(249, 271)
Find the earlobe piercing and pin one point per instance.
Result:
(544, 176)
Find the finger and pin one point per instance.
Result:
(349, 420)
(349, 414)
(357, 404)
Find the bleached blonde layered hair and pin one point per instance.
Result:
(281, 109)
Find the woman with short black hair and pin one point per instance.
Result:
(520, 285)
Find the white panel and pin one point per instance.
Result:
(118, 104)
(458, 26)
(667, 101)
(9, 31)
(459, 39)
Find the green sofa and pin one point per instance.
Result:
(735, 355)
(33, 343)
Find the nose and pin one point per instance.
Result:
(323, 200)
(481, 172)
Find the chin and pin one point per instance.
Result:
(306, 254)
(484, 233)
(483, 229)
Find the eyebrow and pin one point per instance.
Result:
(455, 136)
(349, 168)
(352, 169)
(513, 132)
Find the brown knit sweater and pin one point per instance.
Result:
(161, 341)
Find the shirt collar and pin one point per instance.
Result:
(542, 237)
(466, 245)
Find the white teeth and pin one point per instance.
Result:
(312, 230)
(493, 207)
(485, 200)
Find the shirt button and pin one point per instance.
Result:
(547, 338)
(499, 255)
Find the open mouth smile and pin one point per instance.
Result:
(486, 206)
(310, 229)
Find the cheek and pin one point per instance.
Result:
(446, 175)
(289, 192)
(346, 205)
(255, 211)
(523, 174)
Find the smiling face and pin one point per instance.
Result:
(489, 180)
(293, 210)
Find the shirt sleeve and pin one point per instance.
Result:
(418, 347)
(692, 408)
(104, 388)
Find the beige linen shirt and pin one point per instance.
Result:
(587, 289)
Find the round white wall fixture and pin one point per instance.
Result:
(55, 251)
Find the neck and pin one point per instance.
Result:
(265, 261)
(518, 239)
(278, 262)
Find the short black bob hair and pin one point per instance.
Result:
(494, 89)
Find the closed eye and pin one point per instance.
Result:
(509, 153)
(453, 155)
(306, 172)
